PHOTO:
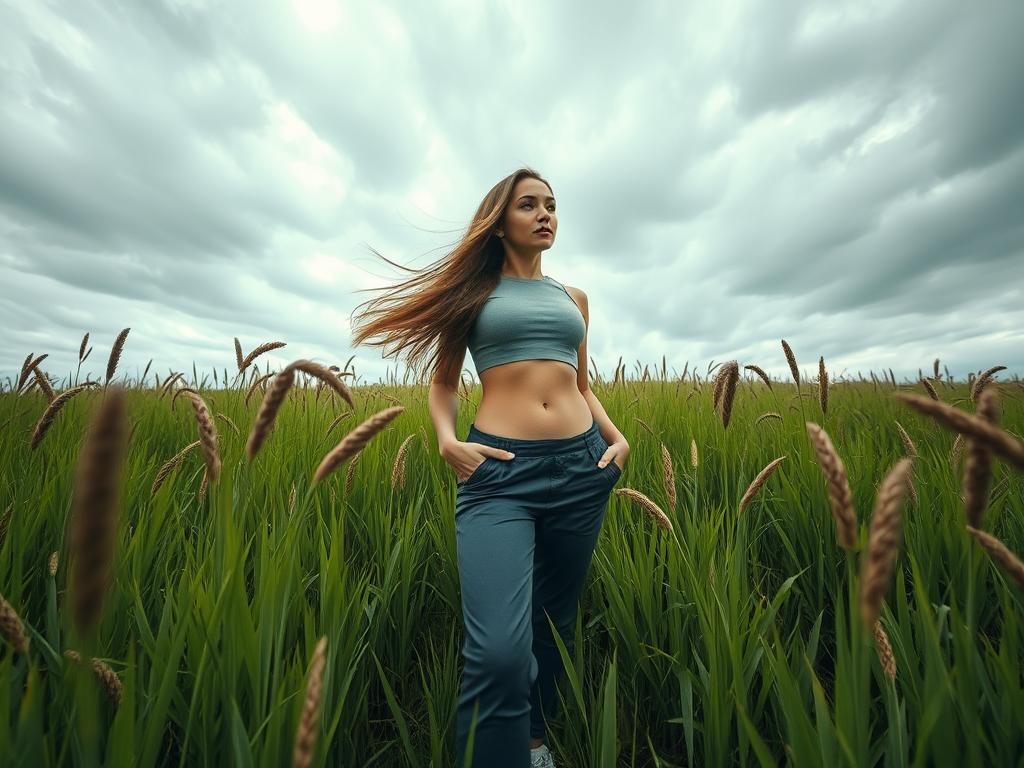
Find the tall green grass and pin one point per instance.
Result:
(732, 640)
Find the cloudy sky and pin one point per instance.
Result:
(847, 176)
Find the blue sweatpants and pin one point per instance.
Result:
(525, 531)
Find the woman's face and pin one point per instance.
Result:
(532, 208)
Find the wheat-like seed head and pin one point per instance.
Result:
(839, 495)
(11, 628)
(350, 472)
(936, 366)
(96, 507)
(822, 385)
(355, 441)
(398, 469)
(207, 436)
(228, 421)
(931, 389)
(908, 444)
(238, 353)
(81, 348)
(977, 475)
(758, 481)
(51, 413)
(52, 564)
(115, 353)
(732, 377)
(768, 415)
(28, 368)
(325, 375)
(999, 552)
(760, 372)
(694, 456)
(44, 384)
(647, 505)
(668, 476)
(106, 676)
(1001, 443)
(883, 541)
(269, 407)
(305, 737)
(982, 381)
(791, 359)
(884, 648)
(170, 465)
(261, 349)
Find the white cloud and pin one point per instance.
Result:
(727, 174)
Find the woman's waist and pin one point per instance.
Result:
(524, 416)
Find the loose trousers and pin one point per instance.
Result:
(525, 532)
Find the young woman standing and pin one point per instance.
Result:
(535, 469)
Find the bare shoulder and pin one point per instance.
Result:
(580, 297)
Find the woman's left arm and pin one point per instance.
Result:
(617, 443)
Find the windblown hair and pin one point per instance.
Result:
(434, 311)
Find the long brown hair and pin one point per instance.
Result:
(435, 309)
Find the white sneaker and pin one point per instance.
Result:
(540, 757)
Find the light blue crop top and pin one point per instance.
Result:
(527, 319)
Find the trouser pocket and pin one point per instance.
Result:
(610, 472)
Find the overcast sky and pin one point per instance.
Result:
(847, 176)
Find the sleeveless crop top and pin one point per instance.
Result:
(527, 319)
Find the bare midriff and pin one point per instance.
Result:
(532, 400)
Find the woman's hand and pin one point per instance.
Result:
(465, 457)
(617, 449)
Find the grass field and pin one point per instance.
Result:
(718, 627)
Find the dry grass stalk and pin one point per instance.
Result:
(51, 566)
(931, 389)
(305, 737)
(982, 381)
(115, 353)
(977, 476)
(107, 677)
(883, 541)
(758, 481)
(822, 385)
(694, 456)
(791, 359)
(398, 469)
(732, 376)
(768, 415)
(269, 407)
(207, 436)
(839, 495)
(913, 491)
(11, 628)
(355, 441)
(51, 413)
(223, 417)
(647, 505)
(291, 499)
(999, 552)
(668, 476)
(1001, 443)
(95, 509)
(170, 465)
(201, 493)
(908, 444)
(885, 654)
(760, 372)
(261, 349)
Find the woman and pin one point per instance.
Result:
(535, 470)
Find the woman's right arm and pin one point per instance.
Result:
(443, 401)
